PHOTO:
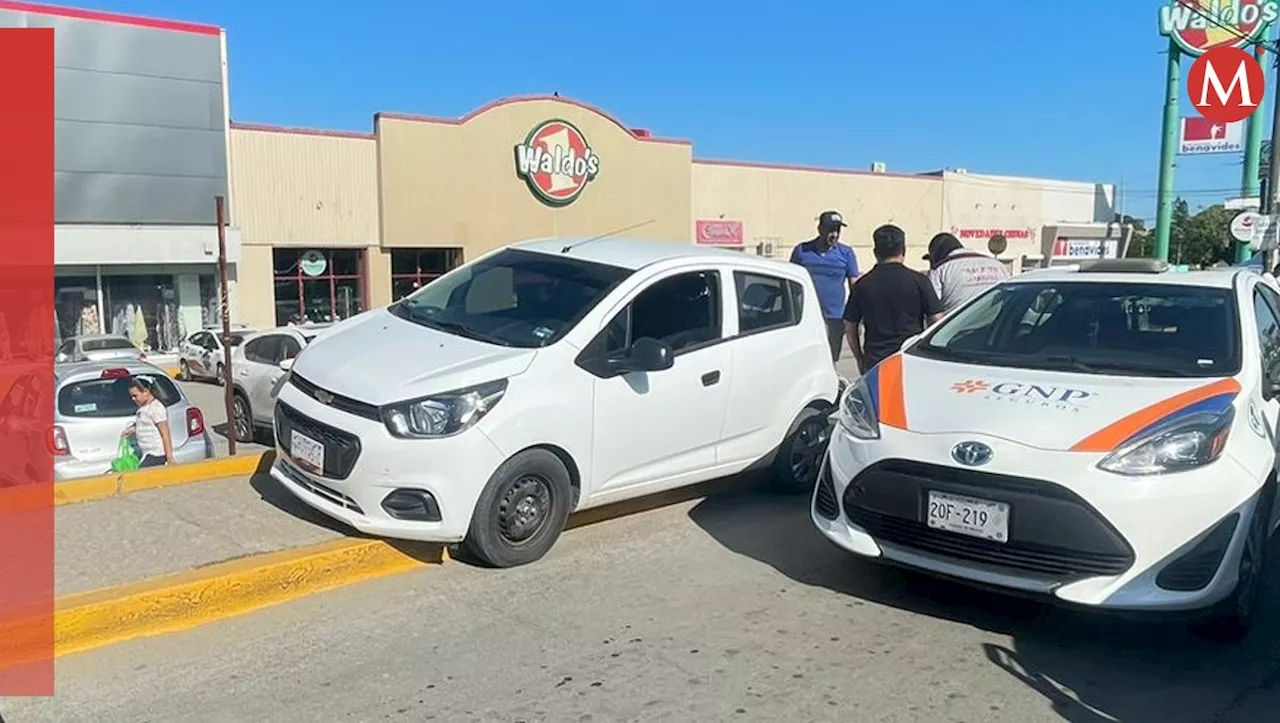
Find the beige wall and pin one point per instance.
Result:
(782, 204)
(975, 208)
(454, 184)
(306, 189)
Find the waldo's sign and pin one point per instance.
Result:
(1198, 26)
(557, 162)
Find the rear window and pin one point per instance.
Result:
(101, 398)
(237, 339)
(106, 344)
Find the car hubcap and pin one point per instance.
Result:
(524, 509)
(806, 452)
(242, 420)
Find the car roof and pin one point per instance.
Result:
(1212, 278)
(97, 337)
(637, 253)
(93, 370)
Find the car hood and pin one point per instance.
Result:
(380, 358)
(1045, 409)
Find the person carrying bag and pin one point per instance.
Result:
(150, 428)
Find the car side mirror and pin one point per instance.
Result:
(645, 355)
(286, 364)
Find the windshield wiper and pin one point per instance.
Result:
(1067, 361)
(462, 330)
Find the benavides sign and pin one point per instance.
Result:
(1198, 26)
(557, 162)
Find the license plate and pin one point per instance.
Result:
(306, 452)
(968, 516)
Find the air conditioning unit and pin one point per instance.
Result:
(877, 167)
(765, 249)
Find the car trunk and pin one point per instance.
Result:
(93, 412)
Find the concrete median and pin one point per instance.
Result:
(90, 489)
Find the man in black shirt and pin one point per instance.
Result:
(891, 302)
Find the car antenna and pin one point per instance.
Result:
(632, 227)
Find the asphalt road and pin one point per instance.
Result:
(211, 400)
(727, 609)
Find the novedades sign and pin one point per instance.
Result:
(1198, 26)
(557, 162)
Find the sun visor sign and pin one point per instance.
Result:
(557, 162)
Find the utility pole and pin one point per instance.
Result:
(1168, 152)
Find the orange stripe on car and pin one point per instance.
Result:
(893, 404)
(1117, 433)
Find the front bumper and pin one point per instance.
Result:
(1080, 537)
(364, 464)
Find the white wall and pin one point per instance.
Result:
(109, 245)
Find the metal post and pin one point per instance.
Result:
(218, 203)
(1168, 153)
(1272, 202)
(1251, 181)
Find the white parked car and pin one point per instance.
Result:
(202, 354)
(1103, 436)
(258, 366)
(97, 347)
(554, 376)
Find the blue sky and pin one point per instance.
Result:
(1067, 90)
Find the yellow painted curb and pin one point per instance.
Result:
(113, 485)
(189, 599)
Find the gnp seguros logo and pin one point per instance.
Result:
(1044, 396)
(557, 162)
(1198, 26)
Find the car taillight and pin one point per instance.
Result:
(57, 442)
(195, 422)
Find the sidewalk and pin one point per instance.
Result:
(156, 532)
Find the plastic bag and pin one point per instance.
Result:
(126, 458)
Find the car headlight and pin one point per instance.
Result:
(442, 415)
(858, 413)
(1185, 444)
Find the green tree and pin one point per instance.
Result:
(1202, 238)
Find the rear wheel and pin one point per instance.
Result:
(522, 510)
(795, 469)
(242, 418)
(1231, 619)
(218, 376)
(184, 371)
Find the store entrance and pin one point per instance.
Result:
(318, 286)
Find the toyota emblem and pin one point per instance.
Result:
(971, 454)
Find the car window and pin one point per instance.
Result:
(289, 348)
(1095, 327)
(1266, 313)
(68, 347)
(99, 398)
(237, 339)
(263, 350)
(512, 298)
(766, 302)
(106, 344)
(682, 310)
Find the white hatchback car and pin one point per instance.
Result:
(1102, 437)
(553, 376)
(258, 367)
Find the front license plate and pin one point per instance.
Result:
(968, 516)
(306, 452)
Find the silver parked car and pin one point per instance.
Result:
(97, 347)
(93, 407)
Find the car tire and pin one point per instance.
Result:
(242, 426)
(184, 371)
(800, 456)
(1231, 619)
(522, 510)
(218, 378)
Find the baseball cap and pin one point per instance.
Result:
(941, 245)
(831, 219)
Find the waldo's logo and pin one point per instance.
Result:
(1046, 396)
(557, 162)
(1198, 26)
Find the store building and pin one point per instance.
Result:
(140, 155)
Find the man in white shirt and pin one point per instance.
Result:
(959, 274)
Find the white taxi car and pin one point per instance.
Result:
(553, 376)
(1103, 436)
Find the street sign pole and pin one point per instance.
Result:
(1168, 150)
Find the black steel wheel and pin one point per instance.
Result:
(522, 510)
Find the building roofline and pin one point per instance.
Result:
(106, 17)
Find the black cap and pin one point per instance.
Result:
(831, 220)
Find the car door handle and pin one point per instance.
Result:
(710, 378)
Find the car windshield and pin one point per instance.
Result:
(99, 398)
(512, 298)
(106, 344)
(1172, 330)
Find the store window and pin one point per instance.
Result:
(412, 268)
(318, 285)
(143, 309)
(76, 306)
(210, 301)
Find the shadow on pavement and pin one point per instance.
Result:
(1089, 668)
(277, 496)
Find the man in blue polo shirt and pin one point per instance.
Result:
(833, 267)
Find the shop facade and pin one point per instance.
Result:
(141, 155)
(335, 223)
